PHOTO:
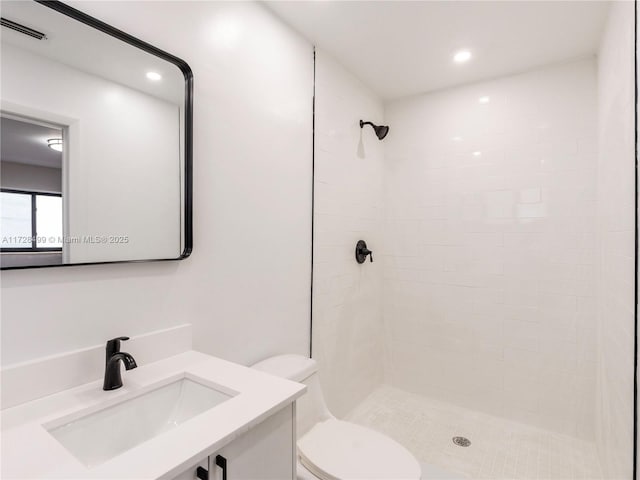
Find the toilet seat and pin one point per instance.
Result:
(337, 450)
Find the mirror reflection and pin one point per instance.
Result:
(93, 140)
(31, 197)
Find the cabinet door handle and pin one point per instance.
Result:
(202, 473)
(222, 463)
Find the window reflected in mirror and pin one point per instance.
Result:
(31, 216)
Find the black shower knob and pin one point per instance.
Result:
(362, 251)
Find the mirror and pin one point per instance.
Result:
(96, 142)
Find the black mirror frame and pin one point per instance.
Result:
(188, 125)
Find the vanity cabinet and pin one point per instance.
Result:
(190, 474)
(265, 452)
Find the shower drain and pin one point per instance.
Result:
(461, 441)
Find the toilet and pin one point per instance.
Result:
(332, 449)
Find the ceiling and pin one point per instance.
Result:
(24, 142)
(86, 49)
(400, 48)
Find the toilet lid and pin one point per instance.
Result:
(337, 450)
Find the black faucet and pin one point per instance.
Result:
(112, 376)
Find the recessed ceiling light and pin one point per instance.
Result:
(477, 154)
(456, 139)
(462, 56)
(55, 144)
(484, 99)
(154, 76)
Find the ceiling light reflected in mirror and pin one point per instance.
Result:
(154, 76)
(55, 144)
(462, 56)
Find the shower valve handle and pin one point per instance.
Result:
(362, 251)
(370, 253)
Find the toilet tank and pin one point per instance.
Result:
(310, 408)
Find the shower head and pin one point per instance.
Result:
(381, 131)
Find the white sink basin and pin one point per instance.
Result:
(97, 437)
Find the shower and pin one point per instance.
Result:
(481, 335)
(381, 131)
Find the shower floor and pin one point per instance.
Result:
(500, 449)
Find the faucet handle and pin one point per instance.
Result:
(113, 347)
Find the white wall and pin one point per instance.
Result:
(347, 296)
(489, 275)
(246, 287)
(616, 242)
(122, 167)
(30, 177)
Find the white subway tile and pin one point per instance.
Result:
(508, 235)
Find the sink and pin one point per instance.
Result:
(99, 436)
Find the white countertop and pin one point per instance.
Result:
(29, 451)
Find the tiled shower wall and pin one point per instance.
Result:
(347, 297)
(490, 243)
(615, 240)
